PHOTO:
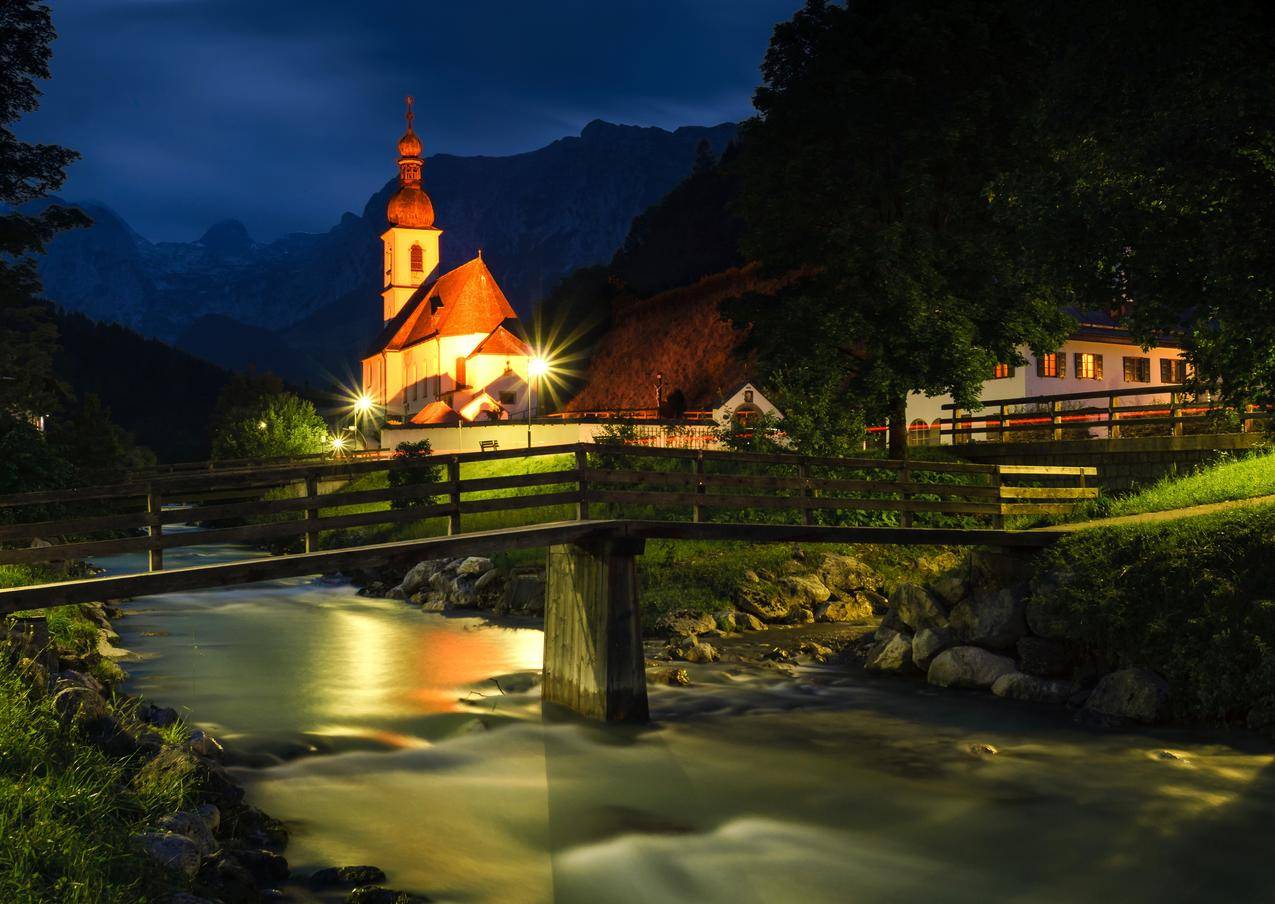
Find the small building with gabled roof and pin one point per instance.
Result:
(448, 341)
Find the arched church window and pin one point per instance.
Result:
(418, 259)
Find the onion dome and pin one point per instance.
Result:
(411, 207)
(409, 145)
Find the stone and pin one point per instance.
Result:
(854, 608)
(229, 879)
(990, 618)
(891, 655)
(486, 580)
(170, 850)
(204, 744)
(375, 894)
(185, 897)
(803, 616)
(950, 589)
(345, 877)
(475, 565)
(433, 601)
(810, 651)
(265, 866)
(968, 667)
(260, 829)
(1045, 657)
(746, 621)
(890, 625)
(751, 576)
(916, 608)
(525, 592)
(210, 815)
(177, 764)
(159, 716)
(1031, 688)
(418, 576)
(927, 644)
(1137, 694)
(394, 593)
(683, 622)
(79, 701)
(725, 620)
(192, 826)
(846, 574)
(691, 649)
(671, 677)
(983, 750)
(994, 568)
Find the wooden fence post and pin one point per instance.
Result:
(453, 477)
(311, 512)
(807, 492)
(1055, 418)
(697, 511)
(905, 516)
(1246, 423)
(582, 470)
(998, 519)
(1113, 428)
(154, 529)
(1001, 417)
(1175, 413)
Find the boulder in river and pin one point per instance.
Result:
(917, 608)
(845, 574)
(968, 667)
(418, 576)
(474, 565)
(375, 894)
(345, 877)
(684, 621)
(1032, 688)
(990, 618)
(855, 607)
(927, 644)
(691, 649)
(746, 621)
(191, 825)
(170, 850)
(1137, 694)
(525, 592)
(894, 654)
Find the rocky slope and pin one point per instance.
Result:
(536, 216)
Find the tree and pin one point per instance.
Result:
(1148, 184)
(97, 450)
(257, 418)
(881, 125)
(28, 172)
(418, 470)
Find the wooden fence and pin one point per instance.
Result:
(1111, 411)
(599, 481)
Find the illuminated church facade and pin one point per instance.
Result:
(452, 348)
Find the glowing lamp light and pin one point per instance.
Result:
(363, 404)
(338, 443)
(537, 367)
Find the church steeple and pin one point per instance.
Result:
(410, 206)
(411, 242)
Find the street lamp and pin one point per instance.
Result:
(537, 367)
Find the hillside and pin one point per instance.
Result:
(537, 216)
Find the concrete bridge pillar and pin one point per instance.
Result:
(593, 662)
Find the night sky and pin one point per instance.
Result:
(283, 113)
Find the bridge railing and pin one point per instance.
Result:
(305, 504)
(1109, 413)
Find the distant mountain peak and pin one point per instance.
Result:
(227, 238)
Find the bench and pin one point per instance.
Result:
(489, 445)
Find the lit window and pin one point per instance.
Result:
(1137, 370)
(1088, 366)
(1003, 371)
(1172, 370)
(1053, 365)
(418, 259)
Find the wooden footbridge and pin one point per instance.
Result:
(592, 506)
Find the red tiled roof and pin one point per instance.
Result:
(436, 413)
(502, 341)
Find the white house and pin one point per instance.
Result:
(743, 402)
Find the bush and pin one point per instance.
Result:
(1191, 599)
(420, 471)
(263, 421)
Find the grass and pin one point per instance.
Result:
(67, 810)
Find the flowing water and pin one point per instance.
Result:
(415, 742)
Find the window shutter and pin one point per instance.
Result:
(1062, 365)
(1166, 371)
(1097, 367)
(1040, 365)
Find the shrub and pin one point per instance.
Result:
(420, 470)
(1190, 599)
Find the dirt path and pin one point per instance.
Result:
(1169, 515)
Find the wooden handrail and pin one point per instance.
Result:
(1072, 396)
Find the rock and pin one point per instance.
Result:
(879, 603)
(804, 589)
(525, 592)
(890, 625)
(891, 655)
(394, 593)
(210, 815)
(79, 700)
(990, 618)
(375, 894)
(418, 576)
(927, 644)
(746, 621)
(854, 608)
(259, 829)
(185, 897)
(1045, 657)
(916, 608)
(809, 651)
(204, 744)
(192, 826)
(230, 880)
(475, 565)
(983, 750)
(751, 576)
(1046, 610)
(803, 616)
(683, 622)
(691, 649)
(159, 716)
(266, 867)
(433, 601)
(345, 877)
(783, 600)
(994, 568)
(486, 580)
(950, 589)
(1031, 688)
(671, 677)
(169, 850)
(1137, 694)
(725, 620)
(846, 574)
(176, 764)
(968, 667)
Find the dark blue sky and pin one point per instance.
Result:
(283, 113)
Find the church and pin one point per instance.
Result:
(452, 349)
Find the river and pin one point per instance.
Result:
(415, 742)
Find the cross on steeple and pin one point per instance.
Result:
(410, 115)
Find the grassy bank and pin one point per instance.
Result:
(1191, 599)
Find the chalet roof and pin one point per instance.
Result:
(462, 301)
(502, 341)
(436, 413)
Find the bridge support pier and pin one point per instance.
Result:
(593, 662)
